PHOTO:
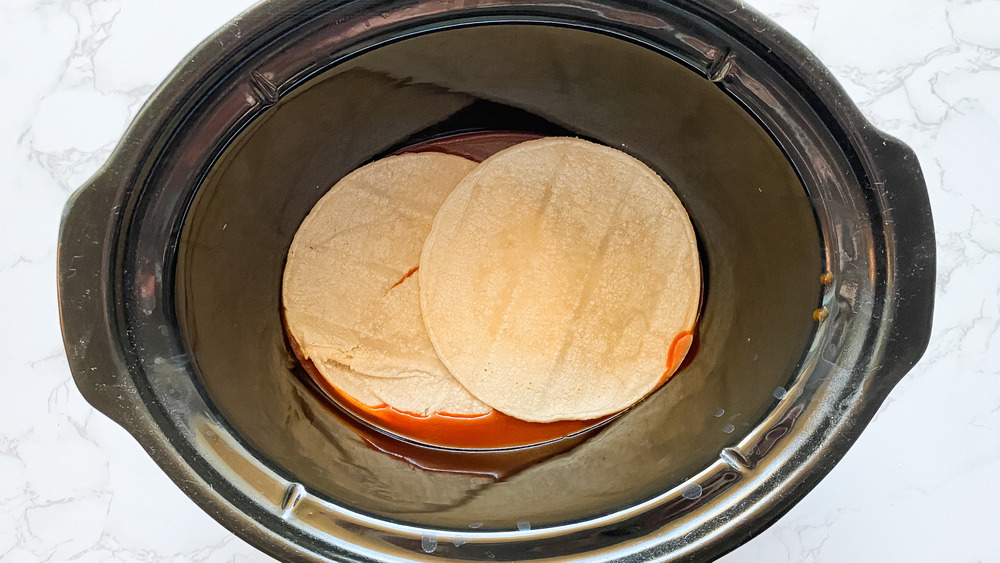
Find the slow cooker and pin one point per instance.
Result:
(814, 227)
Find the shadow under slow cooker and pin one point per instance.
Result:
(759, 240)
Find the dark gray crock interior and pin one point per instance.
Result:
(755, 222)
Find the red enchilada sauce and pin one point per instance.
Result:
(490, 431)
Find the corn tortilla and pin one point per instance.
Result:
(350, 288)
(555, 278)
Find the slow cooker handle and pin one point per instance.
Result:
(86, 297)
(909, 228)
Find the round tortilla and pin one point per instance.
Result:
(555, 279)
(350, 287)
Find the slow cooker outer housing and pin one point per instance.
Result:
(876, 332)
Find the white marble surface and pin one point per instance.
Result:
(75, 487)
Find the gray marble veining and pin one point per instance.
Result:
(75, 487)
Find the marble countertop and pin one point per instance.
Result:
(76, 487)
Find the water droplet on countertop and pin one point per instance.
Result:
(728, 429)
(780, 393)
(428, 544)
(523, 526)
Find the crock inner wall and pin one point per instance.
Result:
(760, 243)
